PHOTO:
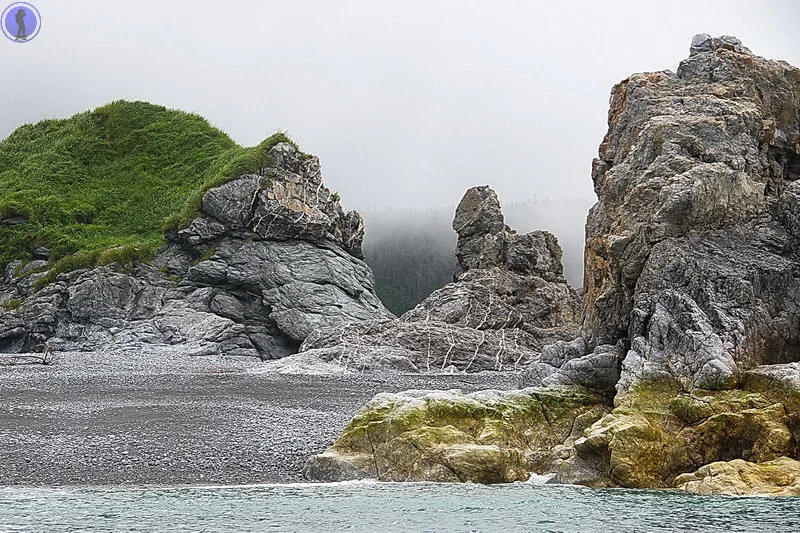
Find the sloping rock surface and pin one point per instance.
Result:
(780, 477)
(482, 437)
(270, 258)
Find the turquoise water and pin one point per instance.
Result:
(388, 508)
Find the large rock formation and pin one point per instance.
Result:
(692, 269)
(483, 437)
(505, 280)
(692, 249)
(691, 306)
(270, 258)
(510, 298)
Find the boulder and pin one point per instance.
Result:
(565, 365)
(448, 436)
(779, 477)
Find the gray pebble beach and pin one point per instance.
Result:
(161, 418)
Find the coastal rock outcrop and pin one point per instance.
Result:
(482, 437)
(691, 304)
(691, 250)
(509, 299)
(692, 268)
(270, 258)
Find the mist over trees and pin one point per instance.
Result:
(412, 252)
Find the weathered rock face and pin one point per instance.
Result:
(483, 437)
(502, 273)
(423, 346)
(270, 258)
(289, 201)
(693, 272)
(780, 477)
(485, 242)
(691, 325)
(691, 251)
(509, 300)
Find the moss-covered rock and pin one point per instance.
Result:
(652, 438)
(780, 384)
(780, 477)
(638, 450)
(654, 434)
(447, 454)
(484, 437)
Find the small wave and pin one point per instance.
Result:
(539, 479)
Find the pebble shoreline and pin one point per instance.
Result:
(155, 417)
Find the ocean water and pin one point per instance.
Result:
(387, 508)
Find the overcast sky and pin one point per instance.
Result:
(407, 103)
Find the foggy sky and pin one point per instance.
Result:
(406, 103)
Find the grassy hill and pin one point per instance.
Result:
(107, 184)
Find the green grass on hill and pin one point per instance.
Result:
(105, 185)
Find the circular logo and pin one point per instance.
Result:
(21, 22)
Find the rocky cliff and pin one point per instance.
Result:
(691, 250)
(509, 299)
(269, 258)
(691, 307)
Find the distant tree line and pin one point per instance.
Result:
(412, 252)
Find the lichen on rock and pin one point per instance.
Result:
(658, 434)
(483, 437)
(779, 477)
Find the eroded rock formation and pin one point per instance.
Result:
(510, 298)
(691, 305)
(692, 268)
(483, 437)
(270, 258)
(691, 250)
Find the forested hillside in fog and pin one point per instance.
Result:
(412, 252)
